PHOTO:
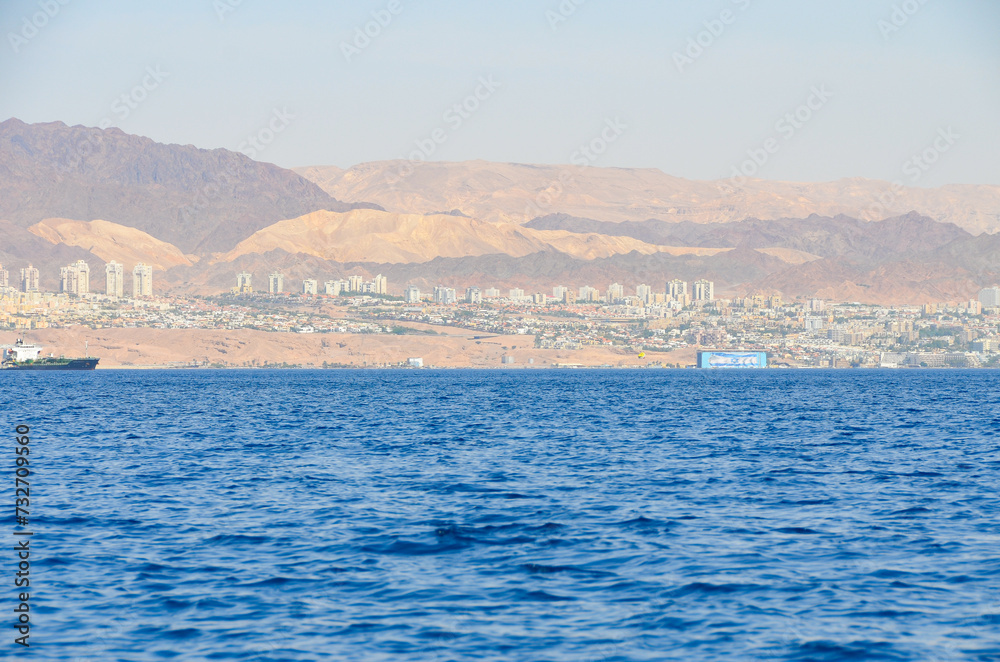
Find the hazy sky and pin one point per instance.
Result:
(888, 80)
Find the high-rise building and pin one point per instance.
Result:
(473, 295)
(75, 279)
(816, 305)
(677, 289)
(491, 293)
(559, 292)
(4, 278)
(142, 281)
(380, 285)
(445, 295)
(114, 279)
(589, 294)
(332, 288)
(411, 294)
(615, 293)
(244, 283)
(568, 297)
(67, 279)
(355, 284)
(29, 279)
(275, 283)
(516, 294)
(309, 286)
(704, 290)
(82, 277)
(644, 293)
(990, 297)
(539, 298)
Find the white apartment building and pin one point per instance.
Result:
(142, 281)
(114, 279)
(615, 292)
(990, 297)
(275, 283)
(75, 279)
(704, 290)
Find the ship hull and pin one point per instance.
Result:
(72, 364)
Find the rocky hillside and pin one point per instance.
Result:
(198, 200)
(200, 216)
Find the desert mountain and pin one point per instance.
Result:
(841, 237)
(908, 259)
(198, 200)
(517, 193)
(366, 235)
(200, 216)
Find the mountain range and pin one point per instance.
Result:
(200, 216)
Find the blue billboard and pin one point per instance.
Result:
(732, 359)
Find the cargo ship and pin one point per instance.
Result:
(21, 356)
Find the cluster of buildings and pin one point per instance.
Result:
(75, 279)
(676, 295)
(799, 333)
(352, 285)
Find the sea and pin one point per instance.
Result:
(537, 515)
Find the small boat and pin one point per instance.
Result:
(22, 356)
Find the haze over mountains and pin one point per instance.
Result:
(518, 193)
(200, 216)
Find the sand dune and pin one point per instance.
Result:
(110, 241)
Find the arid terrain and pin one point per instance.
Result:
(156, 348)
(199, 217)
(517, 193)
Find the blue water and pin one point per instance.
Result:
(511, 515)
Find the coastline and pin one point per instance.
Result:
(158, 349)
